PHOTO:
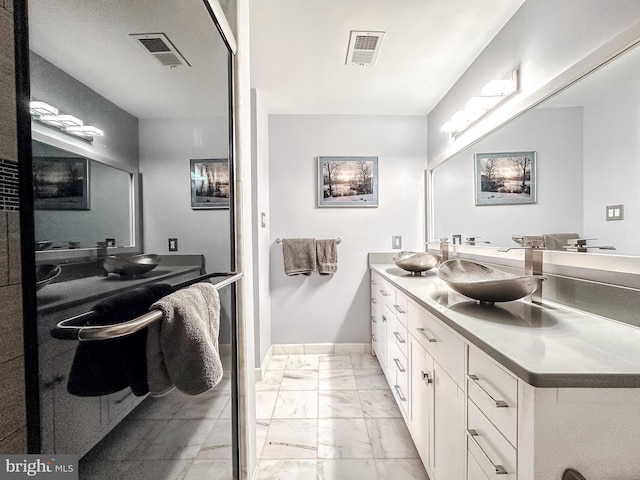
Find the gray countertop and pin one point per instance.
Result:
(545, 345)
(61, 296)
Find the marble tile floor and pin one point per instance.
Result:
(331, 417)
(175, 437)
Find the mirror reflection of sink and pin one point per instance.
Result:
(45, 273)
(131, 266)
(415, 262)
(486, 284)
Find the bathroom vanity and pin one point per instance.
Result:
(70, 424)
(513, 390)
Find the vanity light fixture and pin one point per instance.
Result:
(491, 96)
(51, 116)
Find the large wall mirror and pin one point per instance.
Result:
(587, 144)
(154, 78)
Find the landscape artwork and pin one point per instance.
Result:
(347, 181)
(209, 183)
(505, 178)
(60, 183)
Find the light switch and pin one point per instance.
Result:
(396, 241)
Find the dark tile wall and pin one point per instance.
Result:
(12, 396)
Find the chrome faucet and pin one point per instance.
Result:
(444, 249)
(533, 262)
(101, 254)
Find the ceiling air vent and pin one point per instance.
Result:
(160, 47)
(364, 48)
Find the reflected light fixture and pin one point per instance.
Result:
(491, 96)
(49, 115)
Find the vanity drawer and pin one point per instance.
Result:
(401, 338)
(495, 392)
(444, 345)
(400, 307)
(493, 453)
(400, 377)
(385, 294)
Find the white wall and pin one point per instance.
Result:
(261, 234)
(612, 168)
(543, 39)
(166, 146)
(335, 309)
(556, 137)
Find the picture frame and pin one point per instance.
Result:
(61, 183)
(210, 186)
(347, 181)
(507, 178)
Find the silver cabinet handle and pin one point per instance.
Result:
(383, 293)
(400, 339)
(425, 376)
(373, 300)
(498, 469)
(423, 332)
(399, 309)
(373, 337)
(399, 392)
(384, 318)
(373, 319)
(399, 365)
(497, 403)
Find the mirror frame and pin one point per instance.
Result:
(599, 266)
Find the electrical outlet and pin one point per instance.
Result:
(396, 241)
(173, 244)
(615, 212)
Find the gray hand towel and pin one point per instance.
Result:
(556, 241)
(327, 252)
(182, 348)
(299, 256)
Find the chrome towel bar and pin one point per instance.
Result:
(279, 240)
(73, 328)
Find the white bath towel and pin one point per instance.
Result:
(182, 348)
(299, 256)
(327, 252)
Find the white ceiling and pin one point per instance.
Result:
(298, 51)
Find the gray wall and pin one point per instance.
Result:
(556, 137)
(542, 39)
(612, 169)
(166, 146)
(120, 141)
(335, 309)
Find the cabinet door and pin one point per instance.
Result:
(381, 337)
(448, 441)
(422, 401)
(78, 421)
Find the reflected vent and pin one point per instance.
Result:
(364, 48)
(160, 47)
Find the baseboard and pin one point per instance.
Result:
(319, 348)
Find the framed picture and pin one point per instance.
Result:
(347, 181)
(209, 183)
(505, 178)
(60, 183)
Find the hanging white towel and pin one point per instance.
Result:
(182, 348)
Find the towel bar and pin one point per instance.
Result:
(279, 240)
(70, 329)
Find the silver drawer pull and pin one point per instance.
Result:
(373, 319)
(384, 318)
(373, 300)
(427, 336)
(399, 309)
(497, 403)
(383, 293)
(399, 392)
(400, 339)
(399, 365)
(425, 376)
(498, 469)
(373, 337)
